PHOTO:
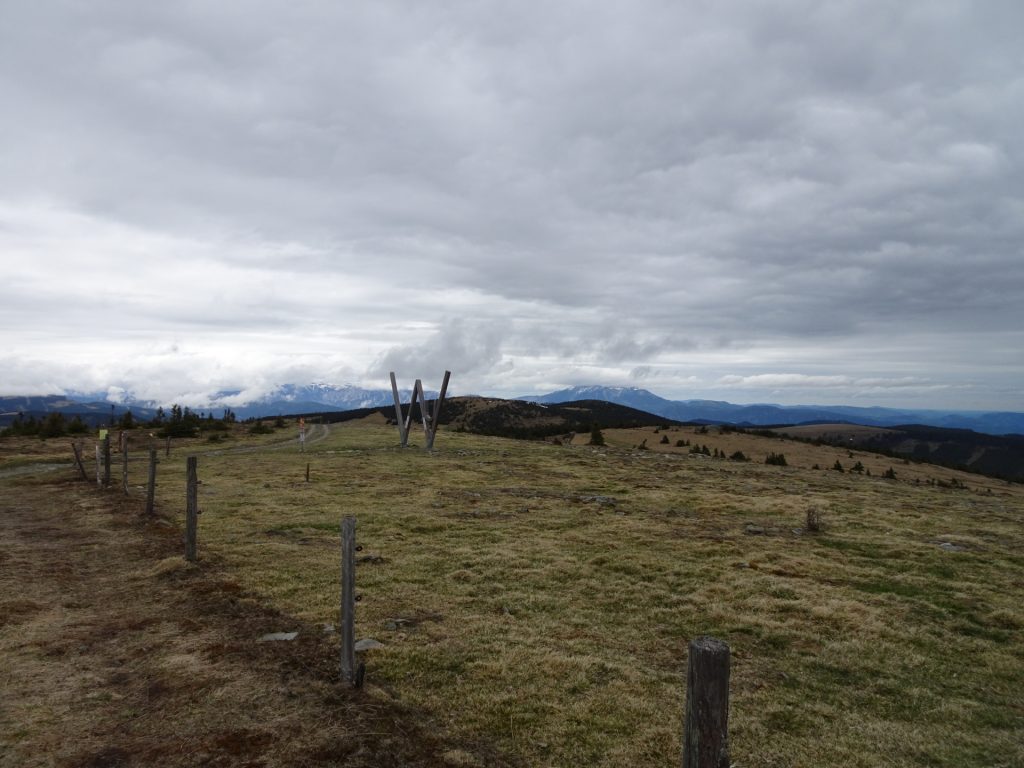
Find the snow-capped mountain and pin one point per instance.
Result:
(346, 397)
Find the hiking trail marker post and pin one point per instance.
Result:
(430, 419)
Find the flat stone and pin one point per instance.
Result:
(949, 546)
(367, 644)
(276, 636)
(609, 501)
(753, 530)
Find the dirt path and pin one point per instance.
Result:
(317, 434)
(113, 652)
(32, 469)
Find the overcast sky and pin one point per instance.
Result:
(777, 201)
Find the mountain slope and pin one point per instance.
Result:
(518, 418)
(994, 423)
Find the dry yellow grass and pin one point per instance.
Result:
(520, 605)
(540, 598)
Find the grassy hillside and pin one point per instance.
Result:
(540, 598)
(996, 456)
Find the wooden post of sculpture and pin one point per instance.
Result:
(428, 417)
(417, 396)
(432, 431)
(403, 432)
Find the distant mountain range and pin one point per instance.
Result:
(90, 412)
(312, 398)
(716, 411)
(285, 400)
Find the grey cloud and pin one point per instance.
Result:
(796, 176)
(457, 345)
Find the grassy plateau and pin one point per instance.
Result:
(540, 598)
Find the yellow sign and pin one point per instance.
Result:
(103, 434)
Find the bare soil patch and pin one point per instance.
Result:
(115, 652)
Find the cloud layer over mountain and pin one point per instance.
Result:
(789, 201)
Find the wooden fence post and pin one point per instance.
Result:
(191, 508)
(349, 672)
(124, 464)
(151, 485)
(168, 451)
(307, 472)
(106, 461)
(78, 458)
(99, 466)
(706, 728)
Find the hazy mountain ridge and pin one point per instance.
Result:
(90, 412)
(993, 423)
(289, 399)
(285, 400)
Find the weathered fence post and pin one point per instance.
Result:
(78, 459)
(151, 485)
(706, 728)
(106, 461)
(124, 464)
(99, 466)
(349, 672)
(191, 508)
(167, 452)
(307, 472)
